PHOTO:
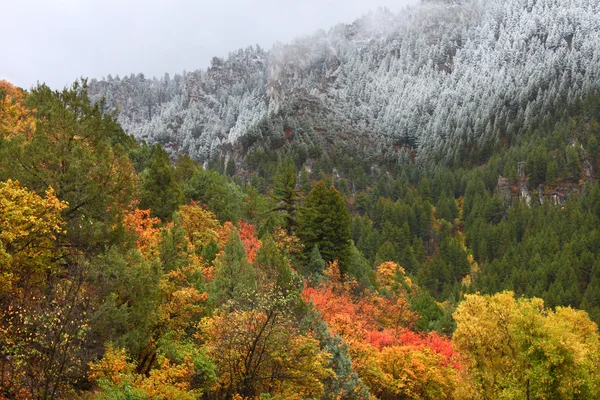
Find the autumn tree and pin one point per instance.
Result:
(43, 340)
(391, 359)
(201, 225)
(262, 350)
(248, 237)
(15, 117)
(30, 225)
(42, 309)
(518, 349)
(154, 295)
(145, 229)
(183, 372)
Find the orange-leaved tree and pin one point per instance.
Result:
(394, 361)
(146, 231)
(15, 117)
(247, 235)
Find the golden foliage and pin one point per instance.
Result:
(518, 349)
(392, 277)
(168, 381)
(402, 372)
(260, 351)
(182, 302)
(113, 367)
(15, 118)
(201, 225)
(30, 225)
(286, 243)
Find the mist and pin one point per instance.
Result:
(58, 41)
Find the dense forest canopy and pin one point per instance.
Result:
(404, 207)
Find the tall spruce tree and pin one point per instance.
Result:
(234, 276)
(160, 191)
(286, 194)
(325, 222)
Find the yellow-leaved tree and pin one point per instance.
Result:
(518, 349)
(42, 312)
(29, 225)
(262, 351)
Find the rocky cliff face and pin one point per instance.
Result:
(556, 193)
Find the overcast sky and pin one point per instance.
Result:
(57, 41)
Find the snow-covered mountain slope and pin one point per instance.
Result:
(442, 78)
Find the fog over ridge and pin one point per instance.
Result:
(67, 39)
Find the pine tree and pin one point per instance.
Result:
(325, 222)
(315, 264)
(160, 192)
(537, 165)
(346, 384)
(272, 267)
(230, 169)
(234, 276)
(286, 194)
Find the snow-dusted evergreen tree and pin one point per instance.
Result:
(444, 77)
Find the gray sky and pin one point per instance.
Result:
(57, 41)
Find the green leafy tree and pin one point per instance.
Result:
(128, 289)
(222, 197)
(185, 168)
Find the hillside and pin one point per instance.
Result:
(447, 79)
(125, 275)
